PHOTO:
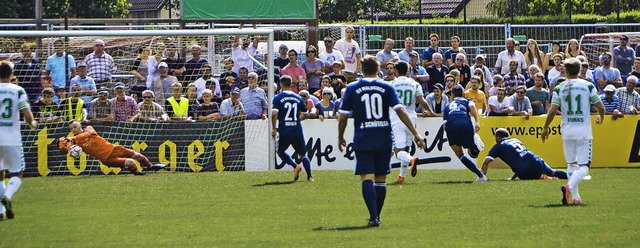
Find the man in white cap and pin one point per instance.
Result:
(87, 84)
(611, 102)
(100, 64)
(162, 85)
(232, 106)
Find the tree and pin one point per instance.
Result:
(352, 10)
(55, 8)
(500, 8)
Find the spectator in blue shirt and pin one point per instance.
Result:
(254, 99)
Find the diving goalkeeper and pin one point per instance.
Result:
(101, 149)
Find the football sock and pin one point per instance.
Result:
(306, 163)
(13, 186)
(470, 165)
(369, 195)
(570, 169)
(144, 161)
(403, 169)
(404, 157)
(287, 159)
(575, 180)
(560, 174)
(381, 193)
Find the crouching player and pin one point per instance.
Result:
(101, 149)
(524, 163)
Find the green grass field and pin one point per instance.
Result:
(438, 208)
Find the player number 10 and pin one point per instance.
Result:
(373, 106)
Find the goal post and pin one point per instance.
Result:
(595, 44)
(184, 146)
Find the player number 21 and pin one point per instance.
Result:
(292, 112)
(373, 105)
(578, 109)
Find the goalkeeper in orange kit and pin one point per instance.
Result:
(109, 154)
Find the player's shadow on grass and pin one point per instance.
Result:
(557, 206)
(344, 228)
(273, 183)
(454, 182)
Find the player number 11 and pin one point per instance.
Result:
(570, 104)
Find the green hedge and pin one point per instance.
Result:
(625, 17)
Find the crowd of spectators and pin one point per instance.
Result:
(168, 87)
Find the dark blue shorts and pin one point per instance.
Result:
(535, 169)
(373, 162)
(292, 139)
(460, 133)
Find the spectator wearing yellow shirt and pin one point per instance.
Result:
(476, 95)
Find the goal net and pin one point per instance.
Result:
(595, 44)
(191, 145)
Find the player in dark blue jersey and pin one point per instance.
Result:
(288, 110)
(369, 100)
(524, 163)
(460, 130)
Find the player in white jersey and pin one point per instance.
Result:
(13, 101)
(574, 97)
(409, 92)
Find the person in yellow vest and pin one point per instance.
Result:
(476, 95)
(74, 108)
(177, 106)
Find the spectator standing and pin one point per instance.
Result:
(484, 87)
(150, 111)
(329, 56)
(282, 60)
(557, 68)
(499, 104)
(140, 71)
(418, 73)
(427, 54)
(533, 55)
(479, 64)
(351, 52)
(405, 54)
(100, 65)
(124, 107)
(232, 107)
(254, 99)
(87, 85)
(194, 65)
(56, 64)
(162, 85)
(313, 68)
(605, 74)
(463, 68)
(514, 79)
(240, 54)
(505, 57)
(175, 64)
(207, 110)
(451, 54)
(294, 71)
(623, 57)
(205, 79)
(611, 102)
(521, 103)
(549, 58)
(28, 72)
(387, 55)
(177, 106)
(74, 108)
(629, 98)
(436, 100)
(101, 107)
(436, 72)
(538, 96)
(636, 67)
(152, 64)
(573, 49)
(45, 110)
(390, 72)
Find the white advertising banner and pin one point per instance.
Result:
(322, 146)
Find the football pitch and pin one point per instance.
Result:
(438, 208)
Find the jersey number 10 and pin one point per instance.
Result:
(373, 106)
